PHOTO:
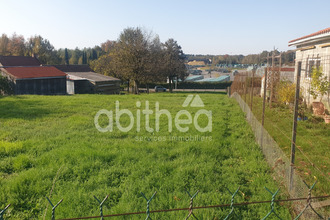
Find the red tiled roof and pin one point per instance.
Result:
(287, 69)
(34, 72)
(327, 30)
(19, 61)
(284, 69)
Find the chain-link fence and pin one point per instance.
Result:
(275, 157)
(271, 120)
(233, 209)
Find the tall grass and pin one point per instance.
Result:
(49, 144)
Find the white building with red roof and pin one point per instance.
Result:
(313, 50)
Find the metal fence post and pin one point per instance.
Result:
(2, 212)
(53, 207)
(294, 128)
(263, 109)
(245, 86)
(101, 205)
(252, 85)
(272, 79)
(148, 204)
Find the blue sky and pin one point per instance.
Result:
(200, 27)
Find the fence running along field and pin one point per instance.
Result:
(246, 89)
(307, 211)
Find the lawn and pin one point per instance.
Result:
(313, 142)
(49, 146)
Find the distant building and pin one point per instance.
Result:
(28, 76)
(193, 78)
(81, 80)
(225, 78)
(197, 63)
(312, 50)
(40, 80)
(286, 74)
(6, 61)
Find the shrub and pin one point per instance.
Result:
(5, 85)
(319, 84)
(286, 91)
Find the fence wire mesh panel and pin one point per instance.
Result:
(234, 213)
(275, 157)
(274, 106)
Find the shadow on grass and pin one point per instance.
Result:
(21, 107)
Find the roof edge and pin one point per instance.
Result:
(324, 31)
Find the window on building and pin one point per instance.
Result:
(312, 62)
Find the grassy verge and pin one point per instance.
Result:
(313, 143)
(50, 146)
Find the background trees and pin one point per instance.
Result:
(131, 54)
(137, 56)
(66, 56)
(173, 62)
(261, 58)
(140, 58)
(156, 71)
(38, 46)
(16, 45)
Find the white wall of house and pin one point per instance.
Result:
(318, 55)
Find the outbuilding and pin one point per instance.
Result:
(40, 80)
(82, 80)
(7, 61)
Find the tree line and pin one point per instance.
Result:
(136, 57)
(17, 45)
(260, 58)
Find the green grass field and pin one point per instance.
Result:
(50, 146)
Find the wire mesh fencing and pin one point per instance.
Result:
(258, 96)
(276, 88)
(233, 209)
(275, 157)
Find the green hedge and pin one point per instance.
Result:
(193, 85)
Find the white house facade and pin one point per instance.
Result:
(312, 50)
